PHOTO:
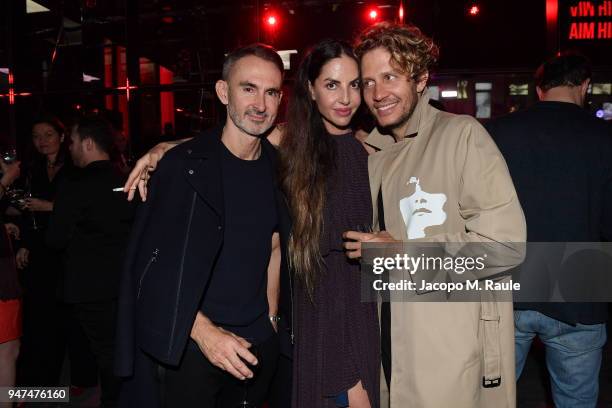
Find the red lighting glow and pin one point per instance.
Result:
(127, 88)
(474, 10)
(552, 11)
(271, 20)
(11, 91)
(373, 14)
(401, 13)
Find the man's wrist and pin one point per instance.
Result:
(274, 318)
(202, 325)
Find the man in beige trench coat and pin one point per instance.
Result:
(447, 168)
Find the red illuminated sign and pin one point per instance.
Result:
(590, 20)
(11, 92)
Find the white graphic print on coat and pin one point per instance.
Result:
(421, 210)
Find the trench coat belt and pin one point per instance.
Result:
(489, 314)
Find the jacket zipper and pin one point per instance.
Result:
(146, 269)
(180, 281)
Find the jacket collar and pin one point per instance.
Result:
(423, 112)
(207, 144)
(98, 164)
(203, 166)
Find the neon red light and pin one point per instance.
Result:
(12, 94)
(271, 20)
(166, 77)
(474, 10)
(127, 88)
(401, 13)
(552, 10)
(373, 14)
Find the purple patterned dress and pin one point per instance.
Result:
(337, 337)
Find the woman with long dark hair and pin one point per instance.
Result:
(325, 177)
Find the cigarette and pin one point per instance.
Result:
(118, 189)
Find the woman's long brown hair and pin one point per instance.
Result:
(307, 159)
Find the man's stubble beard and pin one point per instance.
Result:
(240, 124)
(404, 118)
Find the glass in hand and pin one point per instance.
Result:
(17, 197)
(9, 156)
(246, 403)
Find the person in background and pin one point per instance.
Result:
(121, 154)
(10, 293)
(560, 159)
(47, 327)
(90, 225)
(44, 324)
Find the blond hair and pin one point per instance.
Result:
(411, 51)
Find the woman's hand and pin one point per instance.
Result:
(22, 258)
(139, 176)
(37, 204)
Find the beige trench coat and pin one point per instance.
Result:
(442, 351)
